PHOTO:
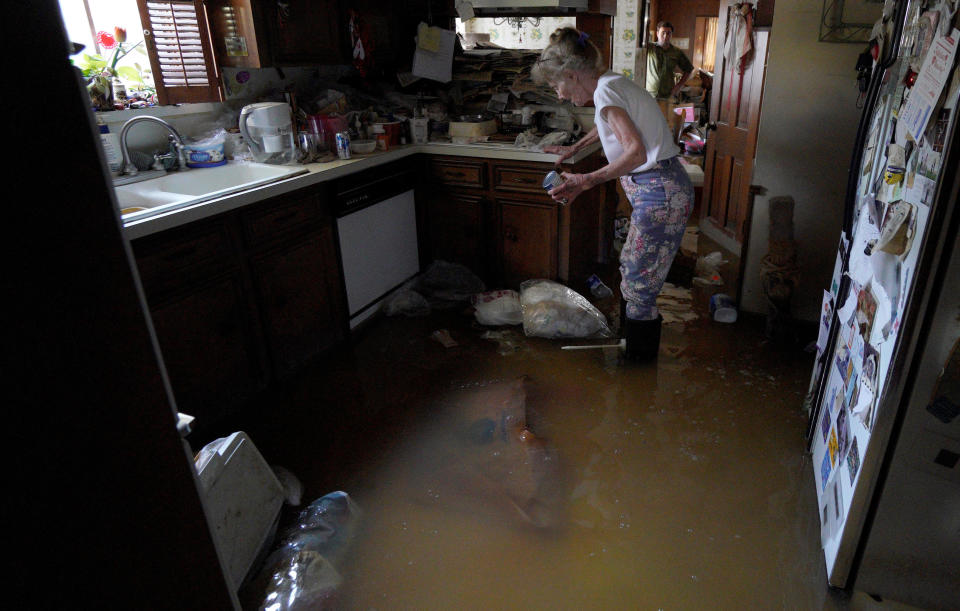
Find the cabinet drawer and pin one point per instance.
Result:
(526, 180)
(264, 223)
(459, 173)
(166, 260)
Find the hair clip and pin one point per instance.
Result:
(582, 41)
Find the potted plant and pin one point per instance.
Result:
(102, 74)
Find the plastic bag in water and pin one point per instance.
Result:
(303, 571)
(553, 310)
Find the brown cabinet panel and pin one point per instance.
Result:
(528, 240)
(208, 347)
(298, 294)
(276, 220)
(457, 172)
(167, 259)
(455, 223)
(306, 31)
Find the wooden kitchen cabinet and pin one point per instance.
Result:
(497, 211)
(199, 307)
(252, 34)
(306, 32)
(243, 300)
(208, 347)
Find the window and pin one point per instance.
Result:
(513, 33)
(168, 44)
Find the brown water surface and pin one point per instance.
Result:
(680, 484)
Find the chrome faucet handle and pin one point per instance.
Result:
(178, 147)
(158, 159)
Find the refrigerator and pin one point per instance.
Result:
(884, 397)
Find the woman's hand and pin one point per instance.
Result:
(565, 152)
(571, 187)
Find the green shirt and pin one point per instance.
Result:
(661, 64)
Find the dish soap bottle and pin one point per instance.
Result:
(111, 148)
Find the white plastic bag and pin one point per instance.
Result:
(553, 310)
(495, 308)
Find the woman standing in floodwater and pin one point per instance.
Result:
(641, 153)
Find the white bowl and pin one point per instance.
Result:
(362, 147)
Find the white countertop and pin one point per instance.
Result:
(322, 172)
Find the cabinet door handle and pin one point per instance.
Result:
(457, 174)
(524, 180)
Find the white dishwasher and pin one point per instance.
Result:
(377, 232)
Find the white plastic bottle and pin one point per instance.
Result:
(111, 148)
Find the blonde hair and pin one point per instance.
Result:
(569, 49)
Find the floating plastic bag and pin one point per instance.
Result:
(553, 310)
(303, 571)
(496, 308)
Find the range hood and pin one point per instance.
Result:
(496, 8)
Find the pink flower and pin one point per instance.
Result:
(105, 40)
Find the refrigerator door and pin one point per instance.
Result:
(896, 219)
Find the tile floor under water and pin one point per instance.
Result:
(684, 483)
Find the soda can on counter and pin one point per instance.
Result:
(343, 145)
(552, 180)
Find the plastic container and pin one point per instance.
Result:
(419, 127)
(205, 154)
(242, 497)
(393, 130)
(111, 148)
(723, 308)
(597, 288)
(362, 147)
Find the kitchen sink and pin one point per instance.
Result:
(180, 189)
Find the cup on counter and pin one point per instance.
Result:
(308, 144)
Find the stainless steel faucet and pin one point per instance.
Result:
(177, 141)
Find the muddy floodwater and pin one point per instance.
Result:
(680, 484)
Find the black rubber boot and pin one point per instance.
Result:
(643, 338)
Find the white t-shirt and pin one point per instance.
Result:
(616, 90)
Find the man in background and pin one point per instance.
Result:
(663, 61)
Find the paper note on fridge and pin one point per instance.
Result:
(926, 90)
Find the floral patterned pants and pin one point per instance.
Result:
(662, 200)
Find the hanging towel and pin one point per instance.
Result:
(738, 46)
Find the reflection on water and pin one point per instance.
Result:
(539, 478)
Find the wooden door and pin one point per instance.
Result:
(528, 241)
(735, 111)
